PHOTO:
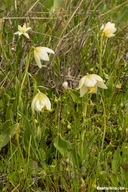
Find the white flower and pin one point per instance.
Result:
(23, 30)
(40, 102)
(41, 53)
(65, 85)
(108, 29)
(90, 82)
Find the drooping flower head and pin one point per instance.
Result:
(41, 53)
(89, 83)
(40, 102)
(108, 29)
(23, 30)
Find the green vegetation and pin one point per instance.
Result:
(82, 143)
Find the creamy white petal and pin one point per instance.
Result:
(83, 90)
(49, 105)
(102, 27)
(110, 25)
(100, 81)
(43, 54)
(18, 33)
(110, 35)
(48, 50)
(19, 28)
(101, 85)
(37, 59)
(47, 102)
(81, 83)
(112, 30)
(24, 26)
(109, 31)
(38, 106)
(97, 77)
(28, 28)
(33, 102)
(90, 81)
(26, 35)
(42, 51)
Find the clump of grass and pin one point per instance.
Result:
(81, 144)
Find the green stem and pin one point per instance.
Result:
(85, 106)
(100, 55)
(20, 150)
(22, 158)
(29, 148)
(24, 77)
(104, 116)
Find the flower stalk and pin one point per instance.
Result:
(85, 106)
(105, 121)
(100, 55)
(24, 77)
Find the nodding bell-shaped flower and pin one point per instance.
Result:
(41, 53)
(108, 29)
(40, 102)
(23, 30)
(89, 83)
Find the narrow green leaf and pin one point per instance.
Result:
(75, 96)
(114, 179)
(7, 133)
(62, 145)
(42, 154)
(115, 161)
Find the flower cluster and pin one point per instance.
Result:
(40, 101)
(40, 53)
(87, 83)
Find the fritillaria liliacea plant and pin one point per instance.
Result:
(40, 102)
(89, 83)
(41, 53)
